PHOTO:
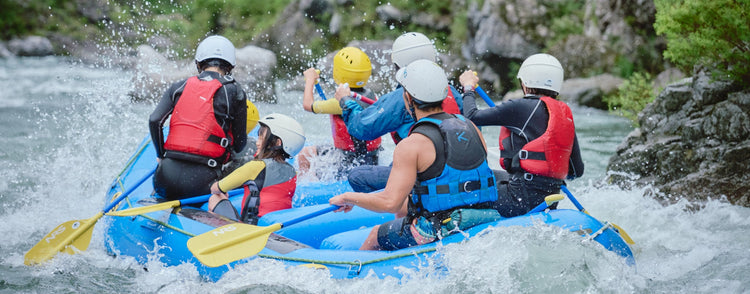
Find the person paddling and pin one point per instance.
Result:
(269, 180)
(352, 68)
(538, 143)
(439, 167)
(388, 114)
(208, 122)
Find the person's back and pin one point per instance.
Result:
(208, 122)
(538, 144)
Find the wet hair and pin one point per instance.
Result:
(426, 106)
(269, 148)
(542, 92)
(220, 63)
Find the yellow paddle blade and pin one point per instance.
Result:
(72, 237)
(145, 209)
(624, 235)
(230, 243)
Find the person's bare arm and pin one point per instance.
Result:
(413, 154)
(311, 76)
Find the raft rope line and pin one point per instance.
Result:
(315, 261)
(128, 165)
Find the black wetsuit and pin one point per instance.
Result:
(178, 179)
(518, 192)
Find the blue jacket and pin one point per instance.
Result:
(386, 115)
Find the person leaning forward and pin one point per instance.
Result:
(440, 149)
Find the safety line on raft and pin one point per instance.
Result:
(426, 250)
(128, 165)
(349, 262)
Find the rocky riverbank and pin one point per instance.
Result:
(694, 142)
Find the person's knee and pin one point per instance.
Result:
(371, 243)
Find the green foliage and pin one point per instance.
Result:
(632, 96)
(712, 34)
(565, 18)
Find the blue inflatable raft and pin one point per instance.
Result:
(328, 241)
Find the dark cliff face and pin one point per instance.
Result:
(694, 142)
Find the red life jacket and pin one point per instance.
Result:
(193, 127)
(450, 105)
(342, 140)
(279, 185)
(548, 155)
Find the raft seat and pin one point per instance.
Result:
(349, 240)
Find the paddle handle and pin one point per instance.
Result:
(130, 190)
(572, 199)
(310, 215)
(320, 91)
(484, 96)
(359, 97)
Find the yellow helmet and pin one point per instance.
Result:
(252, 116)
(352, 66)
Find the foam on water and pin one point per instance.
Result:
(69, 129)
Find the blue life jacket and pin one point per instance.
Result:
(460, 175)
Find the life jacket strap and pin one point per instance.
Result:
(467, 186)
(523, 154)
(210, 162)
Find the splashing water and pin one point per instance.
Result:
(68, 129)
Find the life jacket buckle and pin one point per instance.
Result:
(212, 163)
(523, 154)
(466, 186)
(224, 142)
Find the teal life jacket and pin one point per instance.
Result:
(460, 176)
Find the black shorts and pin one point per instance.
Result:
(396, 234)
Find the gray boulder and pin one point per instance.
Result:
(693, 142)
(31, 46)
(254, 71)
(154, 72)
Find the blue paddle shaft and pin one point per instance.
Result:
(310, 215)
(541, 207)
(130, 190)
(484, 96)
(204, 198)
(572, 199)
(320, 92)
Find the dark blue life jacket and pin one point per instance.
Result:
(460, 176)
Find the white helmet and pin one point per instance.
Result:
(287, 129)
(410, 47)
(424, 80)
(541, 71)
(216, 47)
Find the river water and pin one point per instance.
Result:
(68, 129)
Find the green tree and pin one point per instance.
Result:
(632, 96)
(713, 34)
